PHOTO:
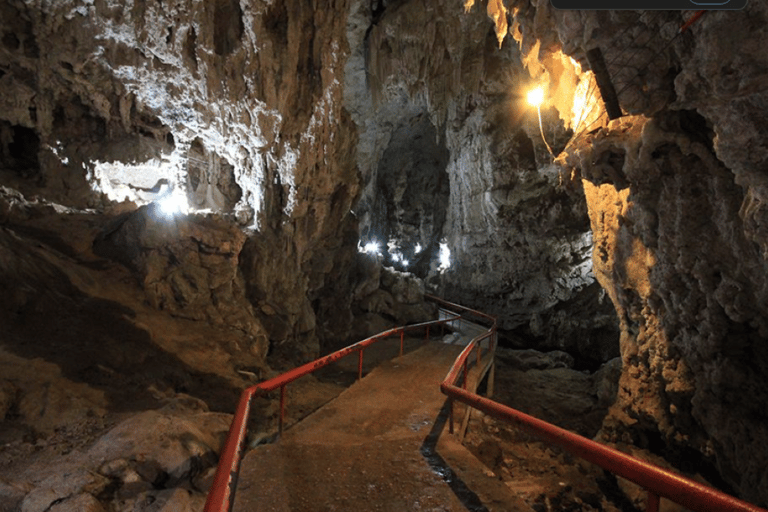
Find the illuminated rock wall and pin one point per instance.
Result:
(235, 106)
(675, 202)
(287, 117)
(516, 227)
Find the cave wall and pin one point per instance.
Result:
(674, 196)
(235, 105)
(517, 230)
(268, 110)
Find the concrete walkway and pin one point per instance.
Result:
(379, 446)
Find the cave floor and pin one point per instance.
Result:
(378, 446)
(383, 445)
(84, 358)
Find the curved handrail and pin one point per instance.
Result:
(657, 481)
(222, 494)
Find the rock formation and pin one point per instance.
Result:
(673, 197)
(284, 137)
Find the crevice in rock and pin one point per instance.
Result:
(211, 181)
(20, 150)
(227, 26)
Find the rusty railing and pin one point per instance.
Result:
(657, 482)
(222, 493)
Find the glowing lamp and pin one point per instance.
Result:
(172, 205)
(371, 247)
(536, 96)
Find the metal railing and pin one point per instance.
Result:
(222, 493)
(657, 482)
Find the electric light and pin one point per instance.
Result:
(172, 204)
(371, 247)
(536, 96)
(445, 256)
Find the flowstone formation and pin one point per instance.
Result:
(674, 196)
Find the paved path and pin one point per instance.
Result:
(379, 446)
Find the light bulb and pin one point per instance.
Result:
(536, 96)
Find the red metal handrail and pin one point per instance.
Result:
(222, 494)
(657, 481)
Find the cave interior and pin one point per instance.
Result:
(198, 196)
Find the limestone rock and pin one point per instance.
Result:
(445, 163)
(82, 502)
(675, 199)
(170, 500)
(160, 448)
(8, 397)
(534, 360)
(75, 486)
(187, 265)
(683, 295)
(404, 287)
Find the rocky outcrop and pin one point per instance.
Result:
(159, 458)
(674, 203)
(187, 266)
(228, 107)
(687, 283)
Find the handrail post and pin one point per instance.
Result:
(402, 335)
(427, 336)
(652, 504)
(282, 409)
(450, 415)
(360, 364)
(465, 374)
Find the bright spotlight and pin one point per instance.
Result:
(406, 263)
(536, 96)
(172, 205)
(417, 249)
(371, 247)
(445, 256)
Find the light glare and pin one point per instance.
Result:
(172, 205)
(371, 247)
(445, 256)
(536, 96)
